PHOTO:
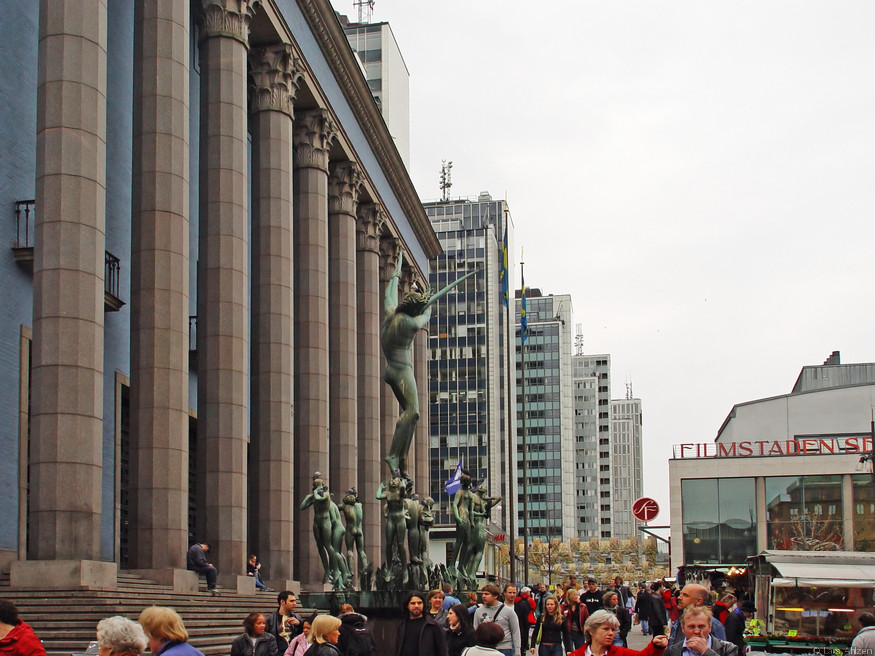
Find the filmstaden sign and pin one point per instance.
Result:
(799, 446)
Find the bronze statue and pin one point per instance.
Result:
(426, 521)
(392, 492)
(481, 504)
(401, 321)
(462, 514)
(351, 508)
(328, 533)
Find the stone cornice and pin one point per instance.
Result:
(390, 249)
(275, 76)
(314, 132)
(344, 185)
(334, 45)
(368, 226)
(228, 18)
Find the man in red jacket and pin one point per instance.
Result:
(16, 637)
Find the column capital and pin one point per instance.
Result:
(344, 185)
(228, 18)
(276, 73)
(314, 132)
(390, 249)
(369, 224)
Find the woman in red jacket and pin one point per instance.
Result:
(600, 629)
(575, 614)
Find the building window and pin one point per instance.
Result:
(804, 512)
(719, 520)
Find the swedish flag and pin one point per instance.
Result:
(524, 320)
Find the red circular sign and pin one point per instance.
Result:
(645, 509)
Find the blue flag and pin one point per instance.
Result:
(524, 320)
(455, 483)
(502, 274)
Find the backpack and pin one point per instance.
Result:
(358, 641)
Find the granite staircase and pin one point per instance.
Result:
(65, 620)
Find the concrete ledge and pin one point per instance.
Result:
(64, 574)
(181, 580)
(284, 584)
(239, 583)
(6, 560)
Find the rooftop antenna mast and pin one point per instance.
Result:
(446, 179)
(578, 340)
(366, 8)
(629, 390)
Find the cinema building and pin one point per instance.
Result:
(784, 473)
(204, 205)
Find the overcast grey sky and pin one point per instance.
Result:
(698, 175)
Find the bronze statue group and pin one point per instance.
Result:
(406, 515)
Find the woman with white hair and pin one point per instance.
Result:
(119, 636)
(600, 629)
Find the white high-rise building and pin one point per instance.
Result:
(626, 466)
(592, 446)
(387, 75)
(549, 418)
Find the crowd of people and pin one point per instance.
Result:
(578, 621)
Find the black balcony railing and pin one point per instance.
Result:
(192, 333)
(24, 218)
(111, 277)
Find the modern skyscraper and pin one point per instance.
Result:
(545, 418)
(626, 466)
(592, 445)
(469, 393)
(387, 76)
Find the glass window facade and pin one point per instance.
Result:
(863, 486)
(719, 520)
(804, 512)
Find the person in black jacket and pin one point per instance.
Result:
(658, 616)
(418, 633)
(736, 621)
(642, 609)
(255, 641)
(460, 635)
(355, 637)
(550, 631)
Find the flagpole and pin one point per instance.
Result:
(525, 486)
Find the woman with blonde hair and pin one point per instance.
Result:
(119, 636)
(324, 634)
(165, 632)
(549, 634)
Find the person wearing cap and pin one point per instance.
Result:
(592, 596)
(735, 623)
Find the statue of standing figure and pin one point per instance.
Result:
(462, 501)
(481, 504)
(393, 493)
(401, 321)
(328, 533)
(351, 508)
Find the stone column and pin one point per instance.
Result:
(275, 75)
(344, 183)
(421, 449)
(223, 282)
(68, 275)
(370, 382)
(390, 248)
(314, 132)
(160, 286)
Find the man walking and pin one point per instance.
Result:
(691, 595)
(592, 596)
(418, 633)
(196, 561)
(492, 610)
(449, 599)
(284, 623)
